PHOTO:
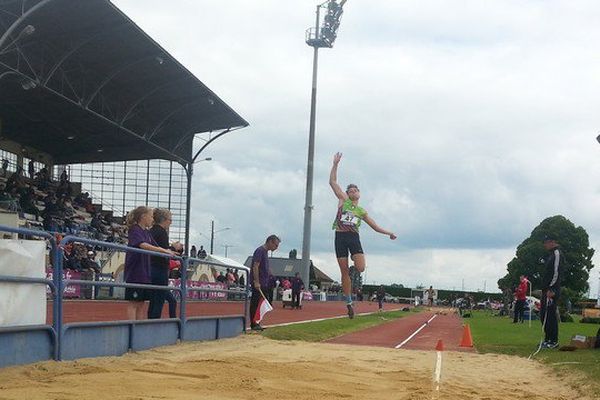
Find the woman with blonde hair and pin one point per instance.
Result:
(137, 265)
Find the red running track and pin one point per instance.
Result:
(113, 310)
(448, 328)
(445, 327)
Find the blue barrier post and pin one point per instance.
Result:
(57, 276)
(183, 291)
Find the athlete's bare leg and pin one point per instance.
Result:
(345, 271)
(346, 285)
(359, 262)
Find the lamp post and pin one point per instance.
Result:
(212, 235)
(322, 35)
(189, 171)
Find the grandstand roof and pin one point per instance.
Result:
(80, 81)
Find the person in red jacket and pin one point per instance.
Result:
(521, 297)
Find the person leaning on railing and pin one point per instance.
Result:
(160, 266)
(137, 265)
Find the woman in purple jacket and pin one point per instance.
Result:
(137, 265)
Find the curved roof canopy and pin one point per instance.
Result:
(81, 82)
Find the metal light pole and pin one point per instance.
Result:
(189, 172)
(212, 235)
(320, 36)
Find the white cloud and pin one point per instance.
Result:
(465, 123)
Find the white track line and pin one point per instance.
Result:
(322, 319)
(415, 332)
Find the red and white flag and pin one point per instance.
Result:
(263, 308)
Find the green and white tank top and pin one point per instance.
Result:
(349, 217)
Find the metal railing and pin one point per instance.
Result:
(58, 285)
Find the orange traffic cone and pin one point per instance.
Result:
(440, 345)
(467, 340)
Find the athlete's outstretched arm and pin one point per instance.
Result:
(339, 193)
(377, 228)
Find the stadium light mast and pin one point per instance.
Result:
(322, 35)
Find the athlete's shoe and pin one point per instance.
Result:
(350, 311)
(551, 345)
(257, 327)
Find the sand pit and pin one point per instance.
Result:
(252, 367)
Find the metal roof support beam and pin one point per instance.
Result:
(150, 135)
(113, 76)
(170, 154)
(144, 97)
(74, 50)
(21, 19)
(210, 141)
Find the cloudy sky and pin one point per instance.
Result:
(464, 123)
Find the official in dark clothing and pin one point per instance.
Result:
(259, 277)
(551, 291)
(380, 297)
(297, 286)
(160, 266)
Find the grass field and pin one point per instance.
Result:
(323, 330)
(499, 335)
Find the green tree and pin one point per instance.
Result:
(574, 242)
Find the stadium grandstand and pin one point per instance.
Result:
(96, 118)
(95, 96)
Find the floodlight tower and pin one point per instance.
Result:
(323, 34)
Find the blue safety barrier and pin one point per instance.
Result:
(67, 341)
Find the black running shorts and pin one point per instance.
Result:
(347, 242)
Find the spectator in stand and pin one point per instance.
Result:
(193, 252)
(31, 169)
(160, 266)
(90, 262)
(27, 203)
(242, 281)
(16, 180)
(380, 297)
(43, 178)
(137, 266)
(221, 278)
(9, 200)
(236, 277)
(230, 277)
(70, 259)
(297, 287)
(50, 214)
(4, 167)
(96, 223)
(521, 299)
(202, 253)
(64, 177)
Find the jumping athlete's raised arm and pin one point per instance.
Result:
(377, 228)
(339, 193)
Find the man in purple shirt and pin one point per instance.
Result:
(260, 275)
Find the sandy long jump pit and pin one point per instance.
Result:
(253, 367)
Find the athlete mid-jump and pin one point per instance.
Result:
(346, 224)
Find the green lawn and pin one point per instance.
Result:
(323, 330)
(499, 335)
